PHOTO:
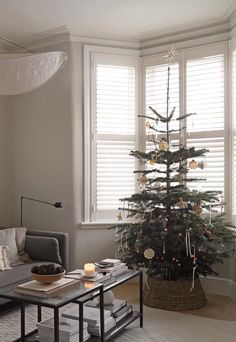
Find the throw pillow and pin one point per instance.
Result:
(4, 261)
(8, 238)
(20, 242)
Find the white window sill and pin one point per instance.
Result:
(96, 225)
(232, 229)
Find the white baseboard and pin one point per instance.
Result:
(219, 286)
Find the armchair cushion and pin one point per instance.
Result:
(63, 240)
(43, 248)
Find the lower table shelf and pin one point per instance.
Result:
(108, 335)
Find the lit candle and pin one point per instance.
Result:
(89, 270)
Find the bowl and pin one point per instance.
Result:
(47, 278)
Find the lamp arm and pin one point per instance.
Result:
(56, 205)
(35, 200)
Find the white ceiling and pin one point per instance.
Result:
(123, 19)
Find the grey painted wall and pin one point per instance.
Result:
(44, 160)
(90, 245)
(6, 170)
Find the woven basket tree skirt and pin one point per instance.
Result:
(173, 295)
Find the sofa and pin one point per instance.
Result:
(41, 247)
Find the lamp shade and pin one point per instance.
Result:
(23, 73)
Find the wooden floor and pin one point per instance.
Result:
(218, 307)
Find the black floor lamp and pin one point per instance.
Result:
(22, 198)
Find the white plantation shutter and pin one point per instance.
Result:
(115, 99)
(114, 117)
(205, 97)
(213, 164)
(205, 93)
(114, 173)
(156, 92)
(234, 134)
(156, 97)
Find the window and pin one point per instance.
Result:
(234, 135)
(197, 84)
(113, 125)
(205, 97)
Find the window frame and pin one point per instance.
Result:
(89, 64)
(192, 53)
(232, 119)
(142, 62)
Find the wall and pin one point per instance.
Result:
(46, 160)
(41, 148)
(6, 171)
(90, 244)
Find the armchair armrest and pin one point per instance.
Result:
(62, 239)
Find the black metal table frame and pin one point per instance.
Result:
(80, 301)
(23, 302)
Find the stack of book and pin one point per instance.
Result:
(114, 267)
(113, 313)
(122, 313)
(118, 309)
(68, 330)
(34, 288)
(92, 317)
(98, 277)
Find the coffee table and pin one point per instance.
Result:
(80, 293)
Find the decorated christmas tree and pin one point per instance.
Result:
(172, 229)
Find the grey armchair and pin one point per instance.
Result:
(48, 246)
(42, 246)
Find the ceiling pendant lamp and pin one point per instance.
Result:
(22, 73)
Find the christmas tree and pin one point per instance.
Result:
(172, 229)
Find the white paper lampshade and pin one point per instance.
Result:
(23, 73)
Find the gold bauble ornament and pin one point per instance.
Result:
(207, 233)
(152, 161)
(163, 145)
(149, 253)
(197, 209)
(181, 204)
(143, 180)
(193, 164)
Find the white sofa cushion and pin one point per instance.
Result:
(8, 238)
(4, 261)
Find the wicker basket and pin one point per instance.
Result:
(173, 295)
